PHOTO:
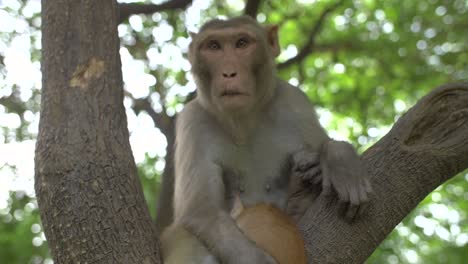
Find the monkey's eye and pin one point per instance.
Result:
(242, 42)
(213, 45)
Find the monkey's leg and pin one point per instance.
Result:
(181, 247)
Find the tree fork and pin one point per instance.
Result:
(426, 147)
(90, 199)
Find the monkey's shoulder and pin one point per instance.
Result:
(293, 95)
(191, 110)
(292, 105)
(193, 116)
(195, 126)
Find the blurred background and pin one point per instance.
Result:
(362, 62)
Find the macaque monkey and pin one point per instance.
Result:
(248, 133)
(269, 227)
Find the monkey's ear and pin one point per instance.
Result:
(192, 34)
(272, 37)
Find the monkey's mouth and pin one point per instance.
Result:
(232, 93)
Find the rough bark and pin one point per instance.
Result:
(91, 202)
(427, 146)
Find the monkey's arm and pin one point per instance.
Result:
(199, 207)
(334, 164)
(199, 201)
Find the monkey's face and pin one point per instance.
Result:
(228, 65)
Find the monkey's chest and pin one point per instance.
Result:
(260, 173)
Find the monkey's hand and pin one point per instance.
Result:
(306, 166)
(343, 172)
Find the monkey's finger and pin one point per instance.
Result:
(317, 179)
(305, 166)
(364, 198)
(343, 192)
(363, 194)
(304, 177)
(343, 209)
(355, 195)
(311, 173)
(352, 212)
(354, 203)
(368, 186)
(362, 208)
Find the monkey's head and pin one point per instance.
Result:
(233, 64)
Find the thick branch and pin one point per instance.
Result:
(310, 44)
(251, 8)
(126, 10)
(426, 147)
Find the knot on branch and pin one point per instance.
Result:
(440, 120)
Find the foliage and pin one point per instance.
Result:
(369, 61)
(22, 239)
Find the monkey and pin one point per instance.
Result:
(248, 132)
(269, 227)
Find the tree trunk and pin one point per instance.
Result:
(426, 147)
(91, 202)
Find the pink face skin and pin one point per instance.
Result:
(230, 56)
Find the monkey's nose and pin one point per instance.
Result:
(229, 75)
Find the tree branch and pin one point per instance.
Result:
(338, 46)
(126, 10)
(165, 123)
(310, 44)
(427, 146)
(251, 8)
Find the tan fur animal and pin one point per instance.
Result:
(241, 135)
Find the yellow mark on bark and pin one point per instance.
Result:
(85, 73)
